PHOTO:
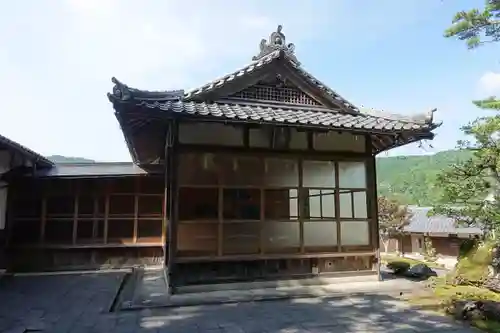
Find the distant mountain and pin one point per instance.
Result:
(65, 159)
(410, 179)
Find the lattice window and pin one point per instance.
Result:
(290, 95)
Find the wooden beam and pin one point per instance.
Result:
(43, 218)
(220, 215)
(172, 184)
(106, 212)
(95, 219)
(301, 204)
(136, 218)
(337, 205)
(75, 218)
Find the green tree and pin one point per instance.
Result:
(471, 188)
(477, 26)
(393, 217)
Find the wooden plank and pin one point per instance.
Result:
(301, 204)
(43, 219)
(262, 220)
(106, 214)
(172, 164)
(220, 220)
(136, 218)
(274, 256)
(95, 219)
(85, 246)
(337, 206)
(75, 215)
(268, 152)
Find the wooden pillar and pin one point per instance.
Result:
(172, 198)
(372, 200)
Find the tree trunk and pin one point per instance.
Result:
(401, 238)
(386, 245)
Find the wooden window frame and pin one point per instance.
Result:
(335, 249)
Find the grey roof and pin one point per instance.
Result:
(422, 223)
(260, 63)
(317, 116)
(89, 170)
(38, 159)
(190, 103)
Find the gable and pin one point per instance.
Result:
(275, 88)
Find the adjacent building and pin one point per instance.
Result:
(445, 235)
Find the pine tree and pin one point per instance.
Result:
(472, 188)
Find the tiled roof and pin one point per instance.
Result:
(261, 62)
(37, 158)
(227, 79)
(88, 170)
(316, 116)
(422, 223)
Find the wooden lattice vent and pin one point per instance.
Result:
(276, 91)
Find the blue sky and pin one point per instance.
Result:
(57, 58)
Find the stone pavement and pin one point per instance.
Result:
(54, 303)
(150, 290)
(79, 303)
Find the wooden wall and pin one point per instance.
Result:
(104, 214)
(258, 205)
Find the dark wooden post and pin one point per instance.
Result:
(372, 199)
(171, 201)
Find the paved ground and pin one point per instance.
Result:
(78, 303)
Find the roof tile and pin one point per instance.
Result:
(422, 223)
(280, 114)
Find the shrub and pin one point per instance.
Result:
(466, 247)
(472, 269)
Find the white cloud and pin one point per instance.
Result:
(489, 85)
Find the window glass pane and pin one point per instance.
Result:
(318, 174)
(198, 204)
(360, 207)
(281, 204)
(352, 175)
(281, 172)
(320, 233)
(281, 234)
(354, 233)
(345, 204)
(240, 170)
(320, 204)
(240, 238)
(241, 204)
